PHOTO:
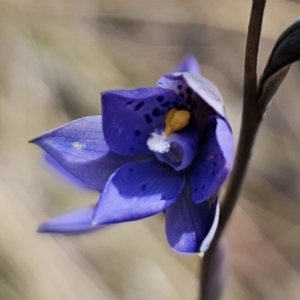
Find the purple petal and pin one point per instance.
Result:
(200, 108)
(213, 161)
(76, 221)
(80, 149)
(129, 116)
(63, 172)
(206, 91)
(176, 83)
(138, 190)
(183, 147)
(188, 64)
(190, 227)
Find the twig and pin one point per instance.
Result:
(251, 119)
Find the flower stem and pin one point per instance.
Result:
(251, 118)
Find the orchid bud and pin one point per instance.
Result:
(285, 52)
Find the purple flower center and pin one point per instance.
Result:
(176, 144)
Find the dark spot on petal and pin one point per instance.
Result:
(215, 163)
(139, 105)
(129, 102)
(168, 103)
(144, 187)
(130, 170)
(137, 132)
(203, 186)
(160, 99)
(131, 148)
(195, 190)
(178, 99)
(156, 112)
(189, 91)
(162, 112)
(181, 94)
(194, 105)
(188, 100)
(179, 87)
(213, 173)
(148, 118)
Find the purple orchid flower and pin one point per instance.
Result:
(167, 149)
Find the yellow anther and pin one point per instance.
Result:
(176, 120)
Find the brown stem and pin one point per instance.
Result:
(251, 119)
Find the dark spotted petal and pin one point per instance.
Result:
(80, 149)
(188, 64)
(206, 91)
(138, 190)
(176, 83)
(199, 94)
(190, 227)
(214, 159)
(76, 221)
(129, 116)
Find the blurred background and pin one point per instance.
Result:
(55, 58)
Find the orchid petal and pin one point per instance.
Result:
(183, 148)
(63, 172)
(200, 107)
(188, 64)
(206, 91)
(190, 227)
(129, 116)
(76, 221)
(138, 190)
(214, 159)
(80, 149)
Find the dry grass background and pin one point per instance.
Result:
(55, 58)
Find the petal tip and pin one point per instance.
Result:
(48, 227)
(44, 228)
(34, 141)
(40, 229)
(183, 251)
(211, 233)
(39, 141)
(188, 64)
